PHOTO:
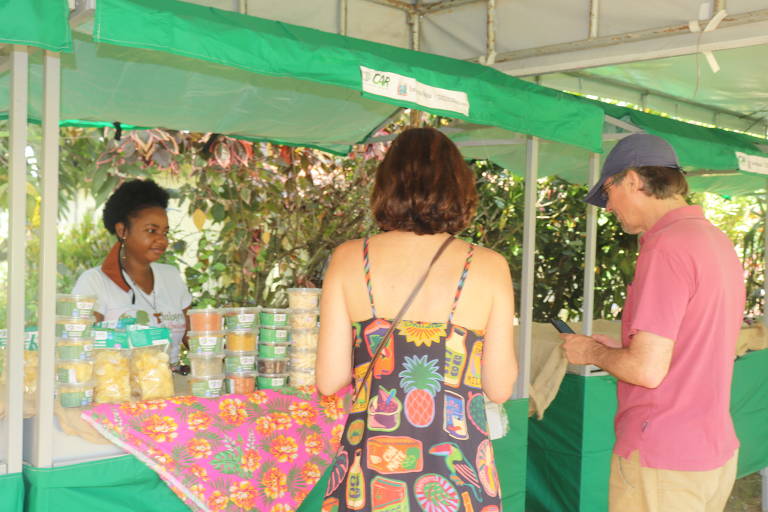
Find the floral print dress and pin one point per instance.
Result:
(416, 438)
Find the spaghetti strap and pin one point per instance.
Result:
(462, 280)
(367, 269)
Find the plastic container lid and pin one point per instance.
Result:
(275, 327)
(199, 334)
(205, 355)
(243, 330)
(66, 319)
(305, 290)
(204, 311)
(312, 311)
(243, 373)
(73, 297)
(240, 311)
(240, 353)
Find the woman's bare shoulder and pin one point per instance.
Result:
(489, 264)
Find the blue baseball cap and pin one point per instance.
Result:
(636, 150)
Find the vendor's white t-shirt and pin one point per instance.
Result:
(164, 307)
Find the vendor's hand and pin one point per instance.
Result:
(578, 348)
(607, 340)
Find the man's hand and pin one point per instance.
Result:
(578, 348)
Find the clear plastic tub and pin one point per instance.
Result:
(74, 372)
(75, 306)
(305, 338)
(151, 376)
(74, 349)
(68, 327)
(272, 365)
(241, 318)
(273, 317)
(274, 350)
(299, 378)
(205, 365)
(206, 387)
(112, 383)
(211, 342)
(303, 318)
(272, 381)
(304, 298)
(242, 339)
(240, 361)
(274, 334)
(75, 395)
(208, 319)
(240, 382)
(303, 360)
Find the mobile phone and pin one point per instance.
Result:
(561, 326)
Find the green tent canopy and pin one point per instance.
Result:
(40, 23)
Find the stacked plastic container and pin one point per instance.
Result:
(274, 340)
(206, 352)
(74, 350)
(303, 317)
(242, 336)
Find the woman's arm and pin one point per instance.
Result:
(333, 369)
(499, 370)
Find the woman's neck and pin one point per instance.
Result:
(140, 273)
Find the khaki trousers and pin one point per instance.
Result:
(634, 488)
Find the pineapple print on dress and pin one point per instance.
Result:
(421, 381)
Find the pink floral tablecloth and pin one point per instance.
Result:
(261, 451)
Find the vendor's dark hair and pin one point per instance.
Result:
(129, 198)
(423, 185)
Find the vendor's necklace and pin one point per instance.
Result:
(133, 286)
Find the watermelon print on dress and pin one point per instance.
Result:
(425, 445)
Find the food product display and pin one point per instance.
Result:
(272, 381)
(71, 327)
(75, 395)
(303, 298)
(273, 317)
(241, 318)
(242, 339)
(206, 341)
(270, 350)
(272, 365)
(208, 319)
(300, 378)
(273, 334)
(73, 372)
(303, 360)
(303, 318)
(150, 373)
(205, 365)
(111, 376)
(206, 387)
(74, 349)
(240, 382)
(240, 361)
(305, 338)
(75, 306)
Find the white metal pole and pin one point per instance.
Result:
(526, 279)
(764, 501)
(590, 252)
(17, 201)
(765, 259)
(42, 449)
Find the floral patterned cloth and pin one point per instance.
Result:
(261, 451)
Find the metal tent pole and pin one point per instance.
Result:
(590, 253)
(526, 280)
(42, 451)
(764, 471)
(17, 201)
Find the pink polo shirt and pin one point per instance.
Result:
(689, 287)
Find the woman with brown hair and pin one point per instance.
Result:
(417, 437)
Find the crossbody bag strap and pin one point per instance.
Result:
(400, 315)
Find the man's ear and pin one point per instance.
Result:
(635, 181)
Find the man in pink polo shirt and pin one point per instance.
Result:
(676, 448)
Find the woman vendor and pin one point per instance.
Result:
(130, 282)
